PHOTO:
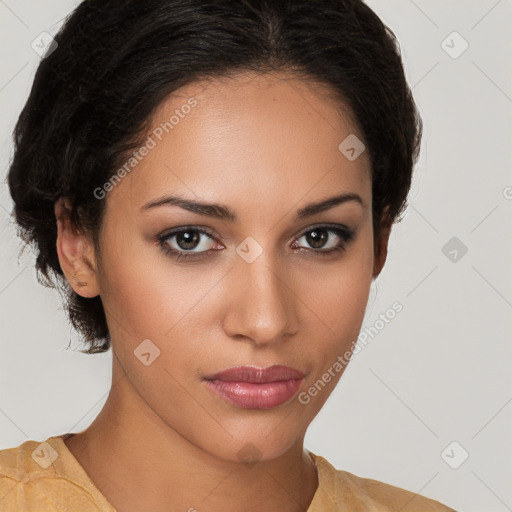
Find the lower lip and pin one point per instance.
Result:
(248, 395)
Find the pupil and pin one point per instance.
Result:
(316, 238)
(187, 241)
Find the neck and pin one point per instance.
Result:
(139, 462)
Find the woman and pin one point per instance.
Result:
(214, 184)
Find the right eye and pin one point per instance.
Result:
(187, 243)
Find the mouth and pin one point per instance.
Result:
(250, 387)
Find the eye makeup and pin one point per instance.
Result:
(170, 241)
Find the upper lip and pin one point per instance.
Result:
(254, 374)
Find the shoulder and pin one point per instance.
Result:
(351, 492)
(18, 472)
(40, 476)
(21, 462)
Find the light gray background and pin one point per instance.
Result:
(437, 373)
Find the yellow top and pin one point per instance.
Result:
(45, 476)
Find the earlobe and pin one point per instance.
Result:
(76, 253)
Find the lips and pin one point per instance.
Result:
(250, 387)
(255, 375)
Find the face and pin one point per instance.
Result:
(273, 281)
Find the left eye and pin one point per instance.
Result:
(318, 238)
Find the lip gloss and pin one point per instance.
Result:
(248, 395)
(251, 387)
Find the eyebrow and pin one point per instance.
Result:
(222, 212)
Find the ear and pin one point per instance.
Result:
(76, 253)
(382, 244)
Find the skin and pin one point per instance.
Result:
(264, 146)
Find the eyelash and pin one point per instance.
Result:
(346, 235)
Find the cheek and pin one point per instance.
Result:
(151, 299)
(339, 298)
(147, 296)
(339, 302)
(339, 292)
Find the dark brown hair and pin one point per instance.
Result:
(116, 61)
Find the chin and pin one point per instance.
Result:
(250, 447)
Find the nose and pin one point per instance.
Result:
(262, 303)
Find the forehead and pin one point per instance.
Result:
(270, 136)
